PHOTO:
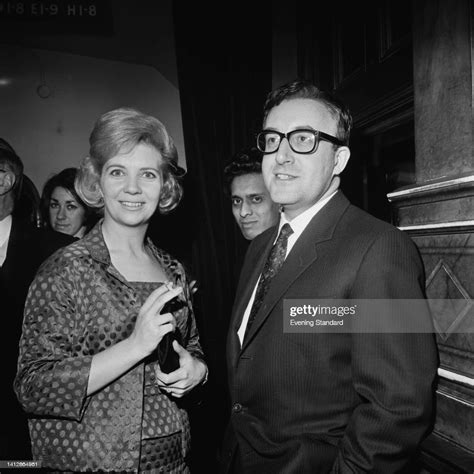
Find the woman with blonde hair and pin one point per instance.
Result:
(96, 338)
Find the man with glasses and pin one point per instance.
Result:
(313, 401)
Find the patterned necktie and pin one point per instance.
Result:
(272, 266)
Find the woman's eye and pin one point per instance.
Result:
(71, 207)
(116, 172)
(53, 205)
(149, 175)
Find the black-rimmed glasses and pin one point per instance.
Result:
(303, 141)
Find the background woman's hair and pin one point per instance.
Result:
(64, 179)
(119, 131)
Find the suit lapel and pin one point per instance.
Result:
(302, 255)
(253, 266)
(250, 277)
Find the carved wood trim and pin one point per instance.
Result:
(441, 228)
(462, 182)
(387, 112)
(455, 377)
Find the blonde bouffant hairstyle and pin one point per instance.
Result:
(119, 131)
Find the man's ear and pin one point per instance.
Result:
(7, 181)
(341, 158)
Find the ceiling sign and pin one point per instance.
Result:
(56, 16)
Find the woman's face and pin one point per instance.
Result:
(131, 186)
(66, 215)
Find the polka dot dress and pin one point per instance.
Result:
(79, 305)
(165, 427)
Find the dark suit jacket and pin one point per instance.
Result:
(27, 248)
(340, 402)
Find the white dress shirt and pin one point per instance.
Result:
(5, 229)
(298, 225)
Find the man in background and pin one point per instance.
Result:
(252, 207)
(23, 247)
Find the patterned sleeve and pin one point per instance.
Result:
(53, 371)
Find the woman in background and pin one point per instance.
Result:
(90, 371)
(61, 207)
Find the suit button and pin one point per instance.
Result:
(237, 408)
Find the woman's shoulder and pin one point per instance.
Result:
(62, 260)
(168, 261)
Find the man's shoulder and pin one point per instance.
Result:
(349, 226)
(257, 248)
(266, 234)
(364, 230)
(262, 239)
(40, 235)
(49, 241)
(363, 220)
(33, 243)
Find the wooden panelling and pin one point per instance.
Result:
(439, 217)
(443, 88)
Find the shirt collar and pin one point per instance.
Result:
(299, 223)
(5, 229)
(95, 244)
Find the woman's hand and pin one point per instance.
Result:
(150, 328)
(190, 373)
(151, 325)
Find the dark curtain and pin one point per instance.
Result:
(224, 66)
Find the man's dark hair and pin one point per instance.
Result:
(246, 161)
(10, 160)
(300, 89)
(4, 145)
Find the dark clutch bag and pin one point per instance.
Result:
(167, 356)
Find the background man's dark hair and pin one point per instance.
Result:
(246, 161)
(300, 89)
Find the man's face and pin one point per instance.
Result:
(252, 207)
(298, 181)
(7, 179)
